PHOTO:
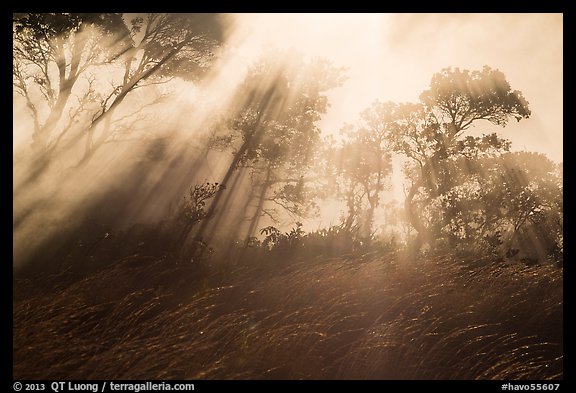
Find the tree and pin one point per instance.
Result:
(271, 127)
(512, 203)
(431, 136)
(76, 73)
(165, 46)
(363, 165)
(51, 52)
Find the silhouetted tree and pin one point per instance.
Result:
(431, 136)
(51, 53)
(512, 203)
(271, 127)
(363, 166)
(165, 46)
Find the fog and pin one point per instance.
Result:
(287, 196)
(157, 148)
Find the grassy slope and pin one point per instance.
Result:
(374, 316)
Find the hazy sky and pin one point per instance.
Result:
(393, 57)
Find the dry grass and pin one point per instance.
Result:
(371, 317)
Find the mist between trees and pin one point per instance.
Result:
(139, 145)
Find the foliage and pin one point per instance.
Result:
(336, 240)
(513, 202)
(272, 133)
(276, 240)
(441, 158)
(461, 97)
(362, 165)
(195, 202)
(52, 51)
(59, 59)
(191, 37)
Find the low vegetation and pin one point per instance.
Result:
(371, 315)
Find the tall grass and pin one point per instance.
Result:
(376, 316)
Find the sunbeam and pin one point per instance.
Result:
(290, 196)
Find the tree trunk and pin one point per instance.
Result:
(259, 208)
(220, 193)
(106, 114)
(41, 136)
(250, 141)
(351, 211)
(92, 147)
(373, 202)
(422, 232)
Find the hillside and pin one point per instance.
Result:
(371, 316)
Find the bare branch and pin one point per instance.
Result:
(153, 83)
